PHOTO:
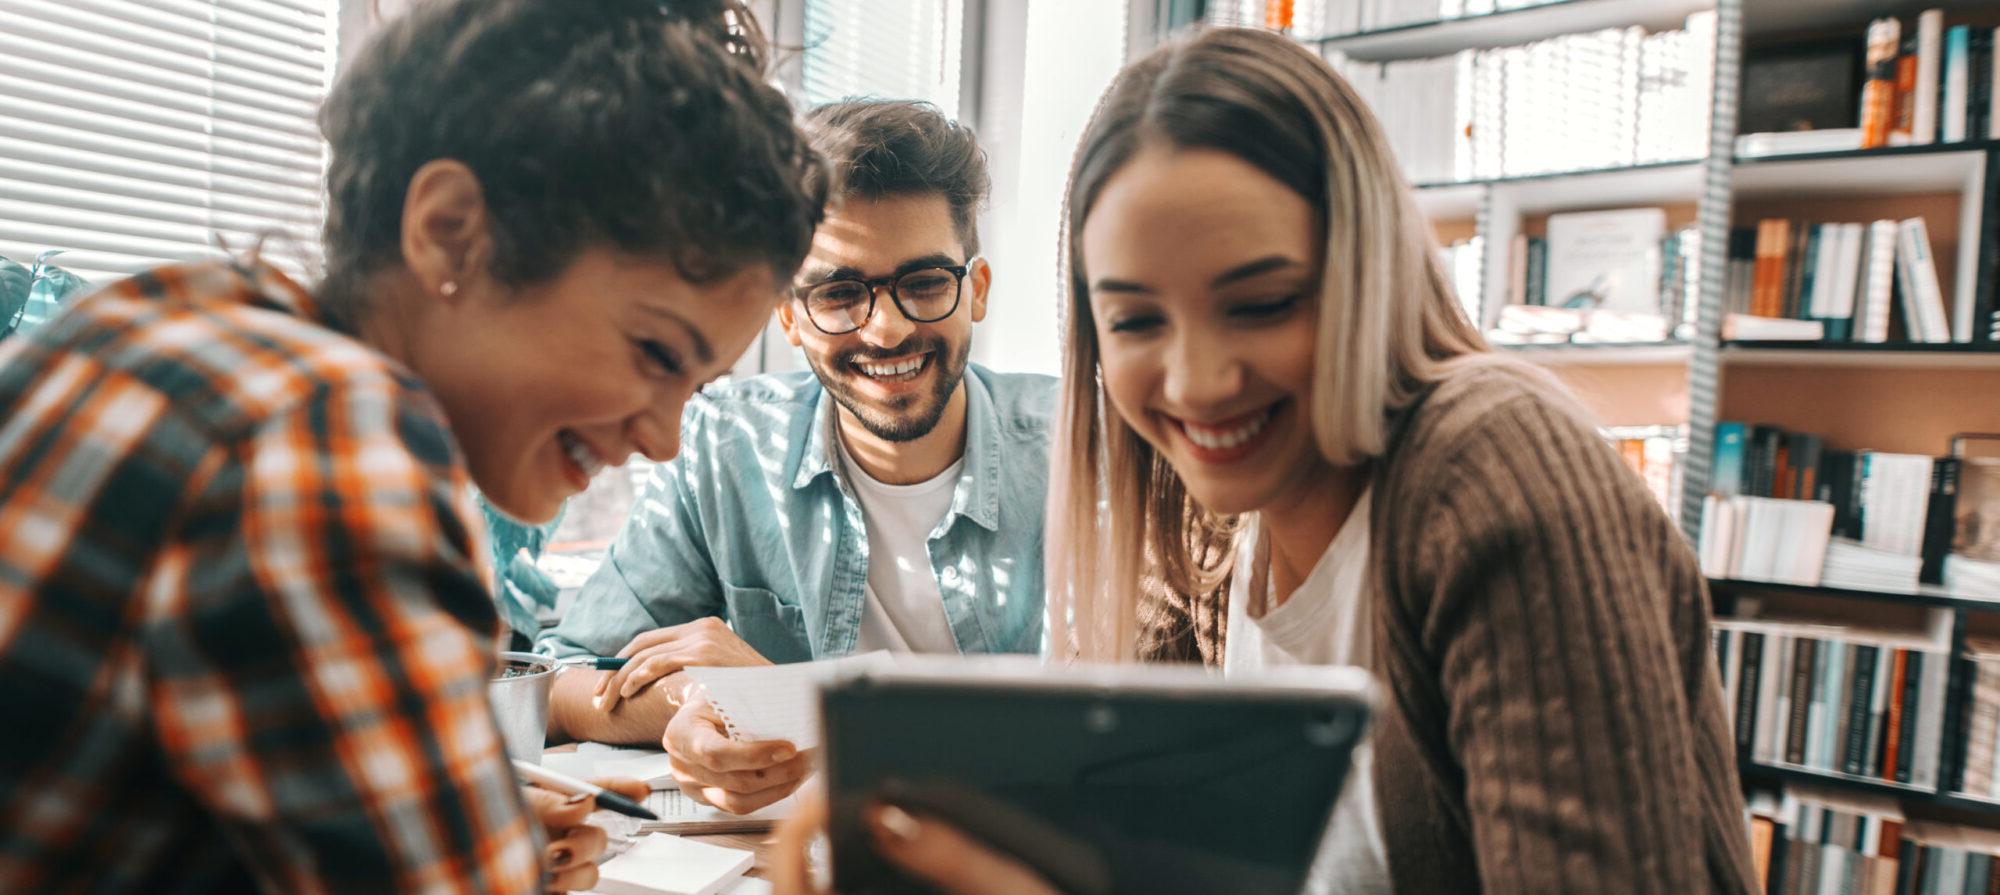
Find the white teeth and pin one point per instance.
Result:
(580, 454)
(899, 368)
(1222, 440)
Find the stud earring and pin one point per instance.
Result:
(448, 288)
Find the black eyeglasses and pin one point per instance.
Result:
(845, 304)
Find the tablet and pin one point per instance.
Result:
(1105, 779)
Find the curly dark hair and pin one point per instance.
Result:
(879, 147)
(641, 125)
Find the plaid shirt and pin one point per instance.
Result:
(244, 626)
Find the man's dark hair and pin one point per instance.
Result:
(881, 148)
(639, 125)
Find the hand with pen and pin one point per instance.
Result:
(659, 653)
(734, 776)
(570, 858)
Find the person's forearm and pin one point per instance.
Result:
(640, 719)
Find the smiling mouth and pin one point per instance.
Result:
(1230, 439)
(897, 370)
(579, 455)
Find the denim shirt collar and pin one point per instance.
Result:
(977, 495)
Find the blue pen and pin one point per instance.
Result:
(600, 663)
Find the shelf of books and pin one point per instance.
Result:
(1385, 30)
(1889, 355)
(1930, 595)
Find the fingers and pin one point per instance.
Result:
(791, 862)
(577, 878)
(655, 665)
(947, 859)
(630, 788)
(558, 811)
(736, 802)
(699, 741)
(572, 859)
(649, 640)
(611, 683)
(786, 774)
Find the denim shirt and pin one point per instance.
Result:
(755, 522)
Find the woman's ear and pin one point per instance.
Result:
(446, 242)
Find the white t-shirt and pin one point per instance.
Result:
(904, 612)
(1325, 622)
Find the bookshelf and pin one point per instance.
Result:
(1884, 355)
(1506, 27)
(1927, 595)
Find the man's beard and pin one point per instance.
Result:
(906, 417)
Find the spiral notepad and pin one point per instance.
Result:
(774, 702)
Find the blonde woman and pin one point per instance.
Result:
(1275, 410)
(1277, 416)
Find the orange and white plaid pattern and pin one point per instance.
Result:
(245, 633)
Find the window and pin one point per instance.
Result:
(893, 49)
(138, 133)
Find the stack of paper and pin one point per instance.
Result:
(669, 865)
(1972, 578)
(1853, 566)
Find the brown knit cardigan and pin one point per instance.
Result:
(1551, 717)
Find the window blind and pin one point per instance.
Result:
(140, 132)
(891, 49)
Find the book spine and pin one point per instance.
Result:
(1902, 117)
(1930, 50)
(1833, 755)
(1538, 270)
(1803, 667)
(1957, 84)
(1892, 719)
(1820, 707)
(1959, 675)
(1906, 728)
(1795, 253)
(1909, 865)
(1932, 716)
(1881, 280)
(1771, 699)
(1979, 87)
(1878, 94)
(1727, 477)
(1981, 733)
(1923, 300)
(1940, 521)
(1985, 321)
(1802, 304)
(1878, 710)
(1751, 663)
(1854, 752)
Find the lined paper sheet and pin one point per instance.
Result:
(775, 702)
(681, 814)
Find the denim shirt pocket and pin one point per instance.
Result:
(776, 629)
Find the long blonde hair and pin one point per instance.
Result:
(1389, 324)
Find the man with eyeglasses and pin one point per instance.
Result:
(892, 499)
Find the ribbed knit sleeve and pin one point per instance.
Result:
(1544, 650)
